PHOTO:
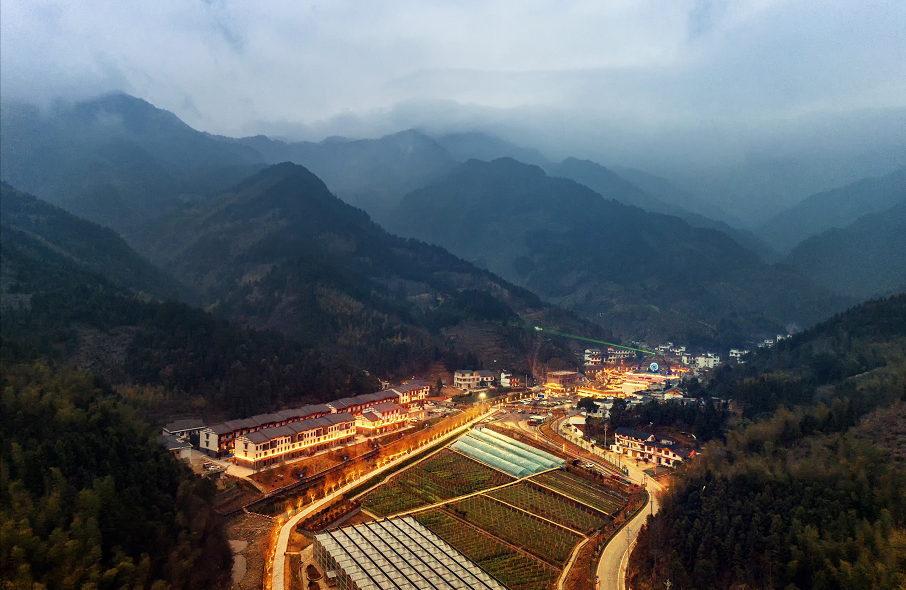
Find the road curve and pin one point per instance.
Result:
(278, 557)
(612, 565)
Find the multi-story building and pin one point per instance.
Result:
(468, 379)
(183, 429)
(736, 353)
(561, 381)
(615, 355)
(592, 356)
(707, 361)
(270, 446)
(660, 450)
(380, 418)
(219, 439)
(508, 379)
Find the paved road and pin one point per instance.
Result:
(612, 566)
(278, 558)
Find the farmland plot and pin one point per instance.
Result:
(582, 490)
(546, 540)
(551, 506)
(517, 570)
(444, 476)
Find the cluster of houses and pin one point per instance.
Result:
(596, 356)
(650, 448)
(266, 439)
(470, 380)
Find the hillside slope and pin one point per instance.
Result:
(57, 307)
(372, 174)
(612, 185)
(280, 251)
(115, 160)
(835, 208)
(97, 248)
(806, 492)
(634, 270)
(866, 258)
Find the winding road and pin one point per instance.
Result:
(611, 572)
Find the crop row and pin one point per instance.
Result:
(581, 490)
(444, 476)
(541, 538)
(550, 505)
(517, 570)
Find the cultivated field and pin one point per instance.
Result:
(584, 491)
(444, 476)
(516, 569)
(548, 541)
(552, 506)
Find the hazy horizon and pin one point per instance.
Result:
(698, 91)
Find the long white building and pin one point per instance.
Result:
(270, 446)
(220, 439)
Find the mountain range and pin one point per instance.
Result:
(630, 269)
(836, 208)
(863, 259)
(624, 247)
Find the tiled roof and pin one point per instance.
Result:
(269, 434)
(172, 444)
(633, 433)
(183, 425)
(386, 407)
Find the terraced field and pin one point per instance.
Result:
(582, 490)
(516, 569)
(551, 505)
(444, 476)
(543, 539)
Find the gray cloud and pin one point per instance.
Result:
(611, 79)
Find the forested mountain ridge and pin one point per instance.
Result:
(280, 251)
(612, 185)
(806, 492)
(866, 258)
(636, 271)
(55, 307)
(838, 208)
(369, 173)
(97, 248)
(115, 160)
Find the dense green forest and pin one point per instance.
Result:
(706, 420)
(57, 309)
(806, 491)
(99, 249)
(88, 498)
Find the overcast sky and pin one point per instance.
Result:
(744, 102)
(239, 67)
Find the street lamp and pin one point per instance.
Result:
(482, 396)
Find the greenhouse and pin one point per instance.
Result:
(396, 553)
(505, 454)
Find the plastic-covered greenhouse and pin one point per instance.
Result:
(396, 554)
(505, 454)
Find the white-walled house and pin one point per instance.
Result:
(271, 446)
(660, 450)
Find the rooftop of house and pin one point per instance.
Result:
(275, 432)
(172, 443)
(183, 425)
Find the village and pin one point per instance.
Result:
(535, 433)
